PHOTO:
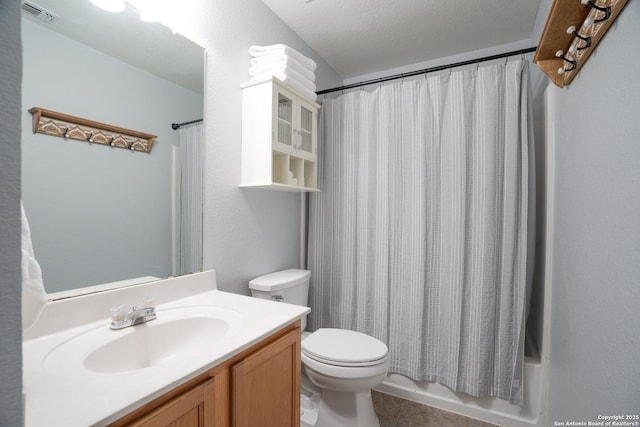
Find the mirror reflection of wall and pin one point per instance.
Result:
(99, 214)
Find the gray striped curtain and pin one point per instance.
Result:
(189, 203)
(419, 234)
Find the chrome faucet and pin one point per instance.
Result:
(121, 319)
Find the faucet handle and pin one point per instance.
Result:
(118, 313)
(147, 302)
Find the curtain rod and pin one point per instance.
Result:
(176, 126)
(429, 70)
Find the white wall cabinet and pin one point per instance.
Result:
(279, 138)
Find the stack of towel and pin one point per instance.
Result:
(287, 65)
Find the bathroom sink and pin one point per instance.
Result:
(151, 344)
(175, 335)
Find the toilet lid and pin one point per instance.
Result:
(344, 347)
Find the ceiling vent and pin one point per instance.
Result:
(39, 12)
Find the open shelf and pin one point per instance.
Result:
(293, 171)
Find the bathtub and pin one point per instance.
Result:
(491, 410)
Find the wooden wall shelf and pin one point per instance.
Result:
(590, 20)
(70, 127)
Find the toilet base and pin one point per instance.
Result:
(346, 409)
(352, 410)
(309, 403)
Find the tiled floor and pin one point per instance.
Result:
(396, 412)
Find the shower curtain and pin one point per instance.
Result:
(189, 204)
(419, 234)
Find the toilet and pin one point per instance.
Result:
(343, 365)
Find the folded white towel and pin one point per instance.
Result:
(280, 63)
(34, 298)
(306, 89)
(288, 76)
(257, 51)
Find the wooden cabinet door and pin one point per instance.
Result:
(193, 408)
(266, 385)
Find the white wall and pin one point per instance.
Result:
(247, 232)
(10, 274)
(97, 214)
(595, 319)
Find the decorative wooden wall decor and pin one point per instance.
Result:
(571, 33)
(71, 127)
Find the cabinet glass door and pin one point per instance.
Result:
(285, 120)
(306, 130)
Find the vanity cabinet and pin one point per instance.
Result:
(266, 385)
(258, 387)
(279, 138)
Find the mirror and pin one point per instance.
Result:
(98, 214)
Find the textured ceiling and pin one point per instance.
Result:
(358, 37)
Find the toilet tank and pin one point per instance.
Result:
(288, 286)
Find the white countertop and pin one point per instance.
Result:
(79, 397)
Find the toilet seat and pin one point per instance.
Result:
(344, 364)
(341, 347)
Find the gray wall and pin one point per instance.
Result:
(104, 211)
(247, 232)
(595, 340)
(10, 274)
